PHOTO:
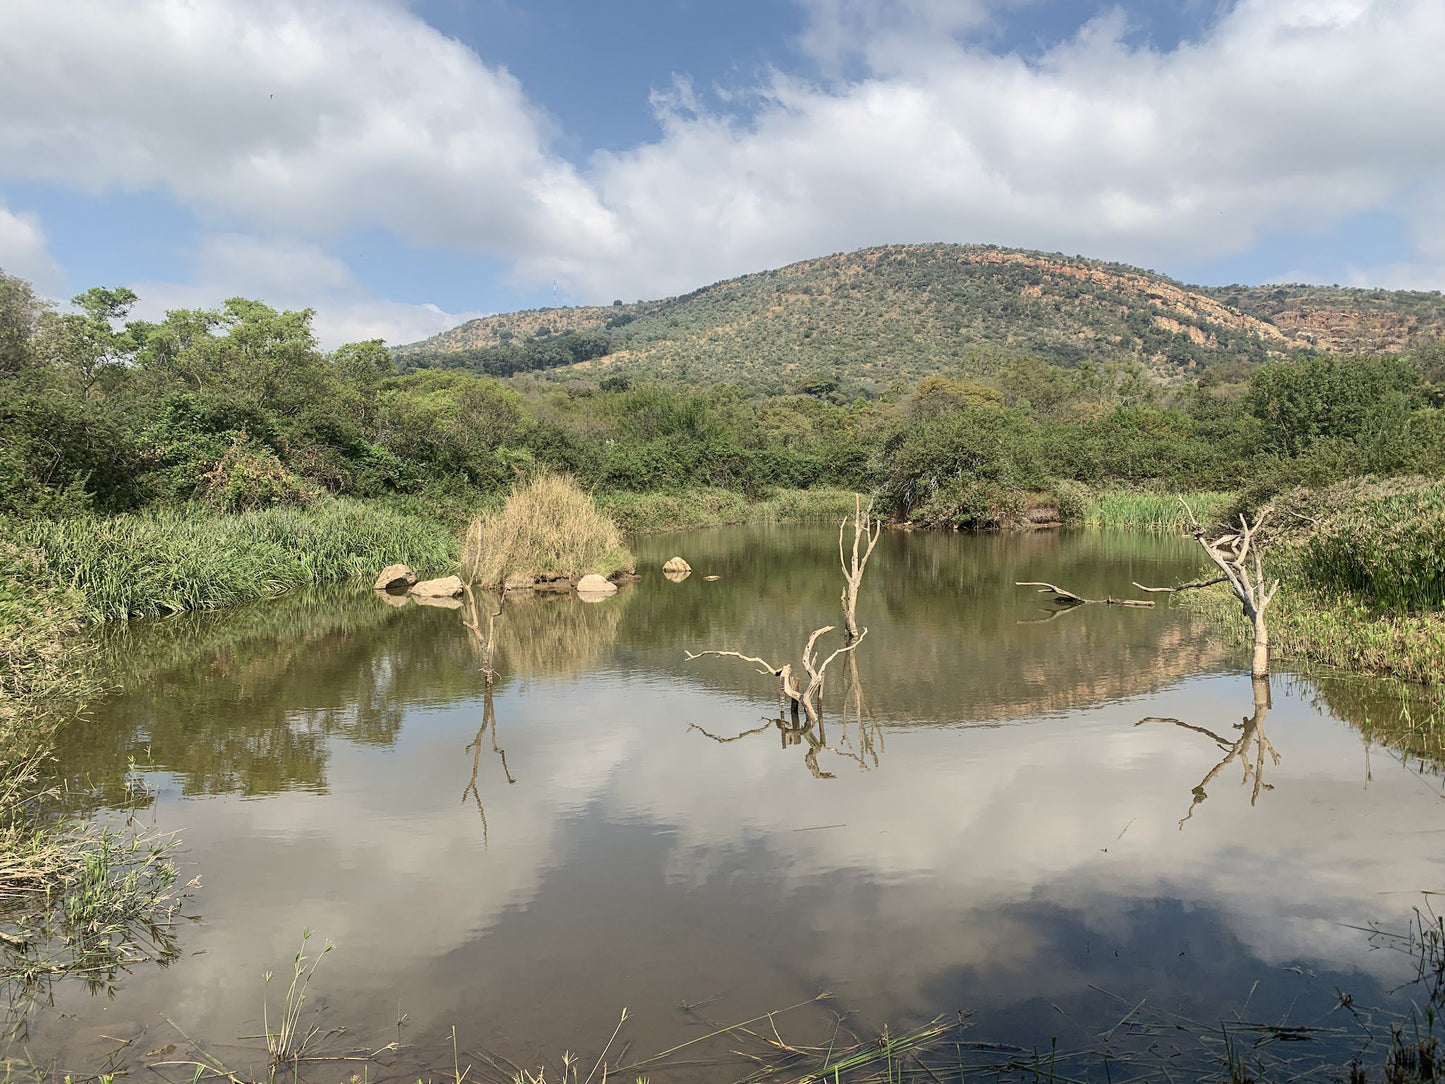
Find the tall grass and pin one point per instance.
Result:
(548, 527)
(653, 513)
(176, 560)
(1138, 510)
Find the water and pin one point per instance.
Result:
(985, 824)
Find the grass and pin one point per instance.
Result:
(548, 527)
(177, 560)
(1148, 510)
(656, 513)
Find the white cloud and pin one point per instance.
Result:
(305, 115)
(1284, 116)
(296, 275)
(24, 251)
(310, 117)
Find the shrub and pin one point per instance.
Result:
(247, 477)
(548, 526)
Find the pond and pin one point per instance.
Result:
(984, 826)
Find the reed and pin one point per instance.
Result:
(1141, 510)
(548, 527)
(177, 560)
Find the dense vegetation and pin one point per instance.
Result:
(237, 409)
(862, 321)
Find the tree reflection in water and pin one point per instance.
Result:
(1250, 748)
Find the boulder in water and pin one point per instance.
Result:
(594, 588)
(446, 587)
(676, 564)
(395, 578)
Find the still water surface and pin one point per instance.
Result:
(985, 824)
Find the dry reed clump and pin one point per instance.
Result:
(549, 528)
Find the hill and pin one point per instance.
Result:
(899, 312)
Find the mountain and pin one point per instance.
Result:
(899, 312)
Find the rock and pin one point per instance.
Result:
(446, 587)
(594, 588)
(678, 577)
(392, 599)
(435, 600)
(395, 578)
(711, 578)
(676, 564)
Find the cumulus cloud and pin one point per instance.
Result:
(305, 115)
(296, 275)
(311, 117)
(24, 251)
(1285, 115)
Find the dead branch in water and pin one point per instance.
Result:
(792, 697)
(1192, 586)
(487, 641)
(1068, 598)
(864, 527)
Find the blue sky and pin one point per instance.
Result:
(400, 167)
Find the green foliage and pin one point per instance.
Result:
(1386, 548)
(168, 561)
(246, 478)
(1300, 402)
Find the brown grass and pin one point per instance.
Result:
(548, 528)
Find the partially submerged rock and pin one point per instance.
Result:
(678, 576)
(446, 587)
(391, 598)
(395, 578)
(595, 588)
(439, 601)
(676, 564)
(711, 578)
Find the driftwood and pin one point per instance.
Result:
(792, 696)
(1068, 598)
(1237, 556)
(1195, 585)
(1251, 734)
(864, 527)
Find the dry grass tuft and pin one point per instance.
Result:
(548, 527)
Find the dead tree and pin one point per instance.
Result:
(792, 696)
(864, 527)
(472, 615)
(1237, 556)
(1251, 734)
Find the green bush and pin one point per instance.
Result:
(1387, 550)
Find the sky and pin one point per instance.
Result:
(400, 166)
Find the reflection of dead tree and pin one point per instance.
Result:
(792, 696)
(1069, 599)
(1231, 553)
(857, 712)
(864, 527)
(793, 732)
(472, 614)
(489, 725)
(1251, 734)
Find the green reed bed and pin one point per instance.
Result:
(656, 513)
(1140, 510)
(177, 560)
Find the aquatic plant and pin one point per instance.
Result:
(548, 526)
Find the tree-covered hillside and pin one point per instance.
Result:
(900, 312)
